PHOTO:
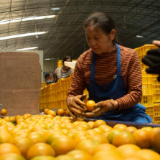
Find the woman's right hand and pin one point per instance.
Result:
(75, 104)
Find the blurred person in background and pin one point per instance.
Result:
(51, 77)
(64, 71)
(110, 72)
(152, 59)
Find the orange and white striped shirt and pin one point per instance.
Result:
(106, 68)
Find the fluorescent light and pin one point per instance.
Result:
(55, 9)
(26, 48)
(47, 59)
(22, 35)
(139, 36)
(26, 19)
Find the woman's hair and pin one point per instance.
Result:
(55, 77)
(65, 58)
(47, 75)
(102, 21)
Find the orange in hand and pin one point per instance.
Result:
(90, 105)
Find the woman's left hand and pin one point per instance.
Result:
(102, 107)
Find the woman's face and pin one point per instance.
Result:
(68, 60)
(98, 41)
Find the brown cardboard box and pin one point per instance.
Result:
(20, 82)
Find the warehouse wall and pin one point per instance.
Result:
(39, 52)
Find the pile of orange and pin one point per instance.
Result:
(51, 137)
(60, 112)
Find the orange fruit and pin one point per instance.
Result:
(23, 144)
(112, 134)
(21, 133)
(47, 133)
(13, 119)
(156, 141)
(85, 125)
(105, 128)
(53, 135)
(91, 131)
(11, 156)
(90, 105)
(80, 155)
(68, 126)
(104, 147)
(65, 157)
(40, 149)
(25, 116)
(143, 138)
(43, 158)
(67, 112)
(17, 117)
(51, 112)
(78, 139)
(124, 138)
(60, 112)
(6, 148)
(154, 130)
(98, 138)
(131, 129)
(79, 133)
(91, 124)
(105, 134)
(87, 145)
(120, 126)
(99, 130)
(5, 137)
(98, 123)
(46, 111)
(63, 144)
(111, 155)
(3, 112)
(81, 128)
(36, 137)
(134, 158)
(9, 128)
(7, 119)
(128, 150)
(147, 154)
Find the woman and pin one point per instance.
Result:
(65, 71)
(51, 77)
(110, 72)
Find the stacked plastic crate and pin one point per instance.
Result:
(60, 63)
(54, 95)
(150, 87)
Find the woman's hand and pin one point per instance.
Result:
(75, 104)
(102, 107)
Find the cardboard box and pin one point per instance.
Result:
(20, 82)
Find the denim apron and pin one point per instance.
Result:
(114, 90)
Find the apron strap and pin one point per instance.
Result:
(93, 66)
(118, 60)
